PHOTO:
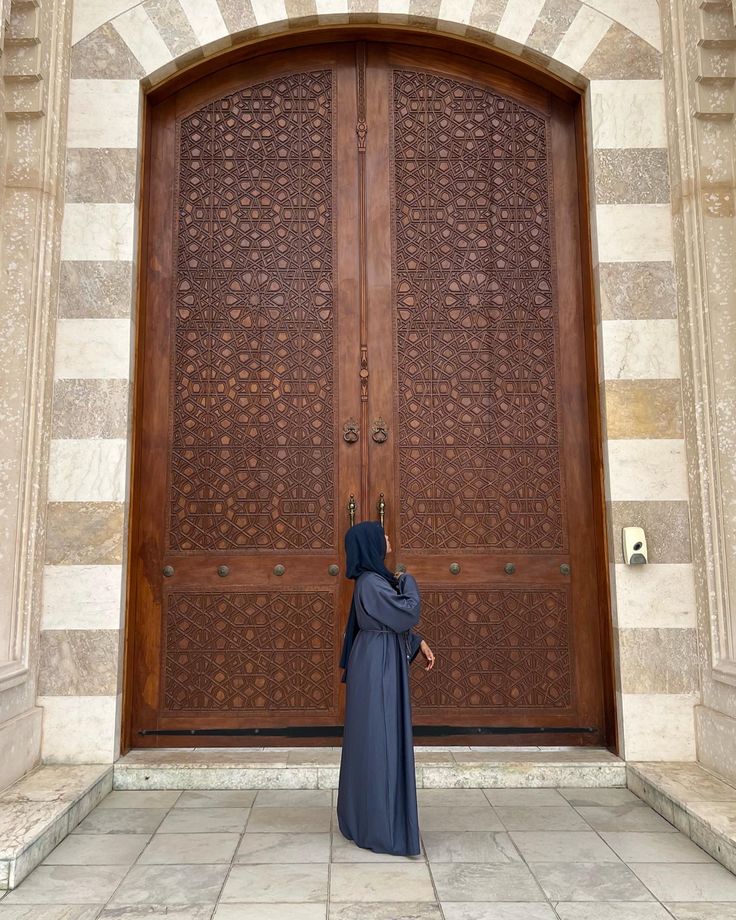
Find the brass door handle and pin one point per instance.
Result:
(381, 508)
(351, 509)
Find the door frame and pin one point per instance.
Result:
(488, 57)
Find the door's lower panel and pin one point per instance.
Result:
(249, 653)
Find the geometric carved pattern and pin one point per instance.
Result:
(503, 649)
(476, 326)
(252, 424)
(258, 651)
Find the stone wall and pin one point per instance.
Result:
(34, 43)
(701, 72)
(609, 48)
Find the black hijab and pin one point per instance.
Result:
(365, 550)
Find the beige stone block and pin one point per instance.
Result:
(205, 19)
(95, 289)
(20, 742)
(631, 176)
(486, 14)
(89, 14)
(582, 38)
(173, 26)
(84, 533)
(457, 11)
(266, 11)
(92, 348)
(87, 470)
(424, 12)
(639, 16)
(716, 734)
(98, 176)
(643, 408)
(104, 55)
(637, 290)
(621, 55)
(647, 470)
(666, 524)
(103, 113)
(654, 596)
(554, 20)
(90, 409)
(519, 19)
(82, 597)
(97, 232)
(79, 729)
(628, 113)
(658, 726)
(143, 38)
(634, 232)
(238, 15)
(658, 660)
(75, 662)
(640, 349)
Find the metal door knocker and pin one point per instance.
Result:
(379, 431)
(350, 431)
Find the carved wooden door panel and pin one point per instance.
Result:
(481, 375)
(243, 471)
(388, 236)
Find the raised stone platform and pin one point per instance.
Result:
(43, 807)
(38, 811)
(698, 803)
(318, 768)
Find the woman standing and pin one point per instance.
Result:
(377, 798)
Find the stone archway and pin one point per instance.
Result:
(609, 49)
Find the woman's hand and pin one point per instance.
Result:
(428, 655)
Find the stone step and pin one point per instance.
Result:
(318, 768)
(40, 809)
(699, 803)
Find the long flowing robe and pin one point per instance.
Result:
(377, 798)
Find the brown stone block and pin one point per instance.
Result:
(632, 176)
(79, 662)
(643, 408)
(95, 289)
(666, 524)
(658, 660)
(637, 290)
(84, 533)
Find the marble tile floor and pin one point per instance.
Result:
(277, 854)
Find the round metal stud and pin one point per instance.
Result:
(223, 570)
(279, 569)
(168, 571)
(509, 568)
(333, 569)
(565, 568)
(454, 568)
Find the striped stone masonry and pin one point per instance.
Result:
(611, 50)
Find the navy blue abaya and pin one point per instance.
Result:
(377, 800)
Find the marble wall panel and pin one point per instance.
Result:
(93, 348)
(82, 597)
(654, 596)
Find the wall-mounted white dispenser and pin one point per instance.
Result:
(635, 546)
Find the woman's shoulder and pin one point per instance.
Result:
(366, 577)
(371, 581)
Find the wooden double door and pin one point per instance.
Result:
(362, 295)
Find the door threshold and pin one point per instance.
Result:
(318, 768)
